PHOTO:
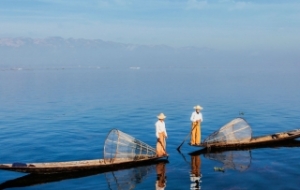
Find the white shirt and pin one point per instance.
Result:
(196, 116)
(160, 127)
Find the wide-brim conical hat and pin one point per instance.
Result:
(161, 116)
(198, 107)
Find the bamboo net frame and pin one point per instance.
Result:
(236, 131)
(120, 146)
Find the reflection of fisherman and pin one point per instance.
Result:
(161, 135)
(196, 119)
(161, 176)
(195, 175)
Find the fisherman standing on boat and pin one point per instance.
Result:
(161, 135)
(196, 119)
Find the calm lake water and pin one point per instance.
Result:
(65, 114)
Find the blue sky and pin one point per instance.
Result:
(221, 24)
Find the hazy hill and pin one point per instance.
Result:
(56, 51)
(60, 52)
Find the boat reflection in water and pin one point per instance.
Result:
(161, 180)
(195, 175)
(231, 159)
(128, 179)
(117, 179)
(237, 160)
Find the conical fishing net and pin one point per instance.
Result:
(120, 146)
(236, 131)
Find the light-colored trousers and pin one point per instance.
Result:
(196, 133)
(161, 145)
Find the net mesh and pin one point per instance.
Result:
(236, 131)
(121, 146)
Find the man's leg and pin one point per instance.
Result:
(193, 134)
(198, 136)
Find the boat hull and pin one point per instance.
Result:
(36, 179)
(74, 166)
(255, 141)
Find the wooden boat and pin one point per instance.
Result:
(120, 150)
(240, 158)
(37, 179)
(74, 166)
(278, 144)
(238, 133)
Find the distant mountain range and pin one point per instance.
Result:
(61, 51)
(50, 42)
(58, 42)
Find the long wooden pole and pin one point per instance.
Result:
(178, 148)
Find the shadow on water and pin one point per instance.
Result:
(126, 178)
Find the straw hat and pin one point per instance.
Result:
(161, 116)
(198, 107)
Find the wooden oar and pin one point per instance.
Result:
(178, 148)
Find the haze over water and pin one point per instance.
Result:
(65, 114)
(70, 71)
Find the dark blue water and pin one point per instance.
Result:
(65, 114)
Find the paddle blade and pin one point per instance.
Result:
(178, 148)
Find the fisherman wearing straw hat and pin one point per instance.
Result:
(196, 119)
(161, 135)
